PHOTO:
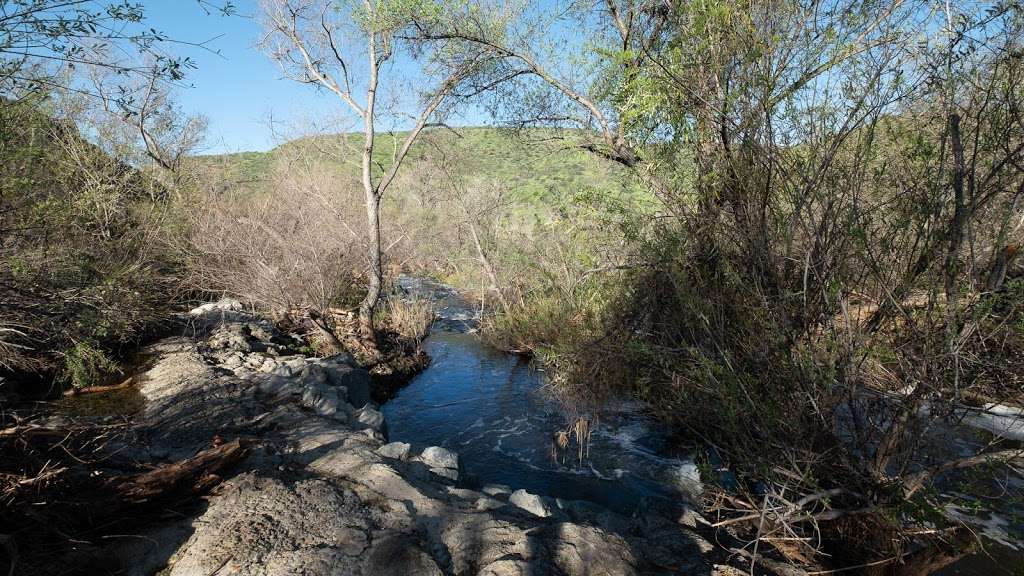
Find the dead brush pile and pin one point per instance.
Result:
(65, 496)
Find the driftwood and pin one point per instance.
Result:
(97, 389)
(187, 478)
(53, 466)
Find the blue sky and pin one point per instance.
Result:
(239, 89)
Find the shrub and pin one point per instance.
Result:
(293, 247)
(81, 273)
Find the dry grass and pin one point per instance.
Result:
(410, 319)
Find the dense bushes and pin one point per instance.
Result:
(295, 246)
(81, 272)
(830, 276)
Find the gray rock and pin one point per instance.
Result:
(437, 457)
(495, 489)
(372, 418)
(341, 359)
(449, 473)
(233, 360)
(276, 386)
(222, 305)
(396, 450)
(487, 504)
(355, 380)
(530, 502)
(313, 374)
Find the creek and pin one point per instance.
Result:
(491, 407)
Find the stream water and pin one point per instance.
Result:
(490, 407)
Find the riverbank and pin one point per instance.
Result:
(321, 491)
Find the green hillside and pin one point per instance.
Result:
(534, 164)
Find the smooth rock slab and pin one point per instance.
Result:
(266, 527)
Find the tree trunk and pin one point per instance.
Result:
(486, 263)
(372, 194)
(369, 304)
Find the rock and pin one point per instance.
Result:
(266, 526)
(530, 502)
(396, 450)
(325, 402)
(313, 374)
(224, 340)
(282, 370)
(437, 457)
(487, 504)
(356, 382)
(276, 386)
(341, 359)
(449, 473)
(233, 360)
(370, 417)
(495, 489)
(222, 305)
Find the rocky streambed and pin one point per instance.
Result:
(322, 491)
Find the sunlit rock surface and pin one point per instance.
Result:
(322, 492)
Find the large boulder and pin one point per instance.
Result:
(438, 457)
(396, 450)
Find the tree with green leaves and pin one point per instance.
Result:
(350, 49)
(40, 39)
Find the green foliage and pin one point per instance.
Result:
(87, 364)
(530, 167)
(79, 269)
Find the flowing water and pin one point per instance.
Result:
(490, 407)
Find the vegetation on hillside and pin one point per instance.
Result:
(82, 273)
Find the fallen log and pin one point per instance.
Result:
(186, 478)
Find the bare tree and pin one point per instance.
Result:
(344, 48)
